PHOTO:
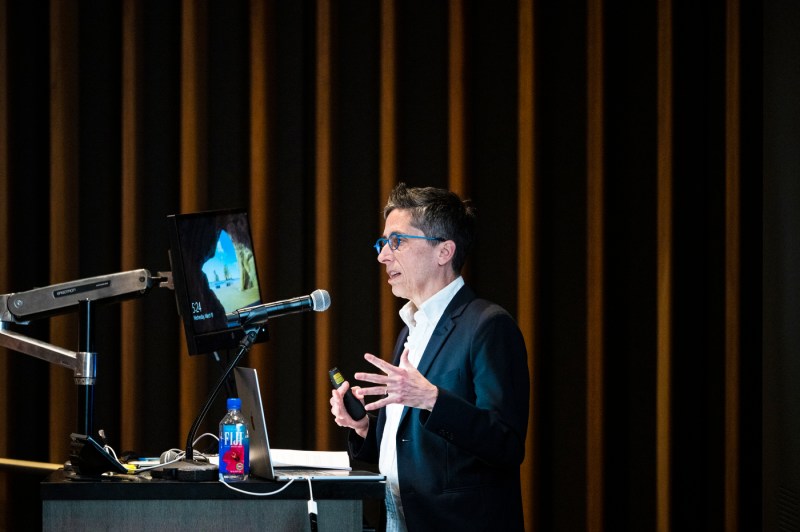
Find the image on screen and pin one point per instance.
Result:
(230, 275)
(214, 272)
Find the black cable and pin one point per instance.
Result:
(244, 347)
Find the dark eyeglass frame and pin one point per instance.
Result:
(398, 239)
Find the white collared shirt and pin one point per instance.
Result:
(421, 323)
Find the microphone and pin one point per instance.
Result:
(319, 301)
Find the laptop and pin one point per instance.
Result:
(261, 460)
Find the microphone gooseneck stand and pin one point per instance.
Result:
(190, 469)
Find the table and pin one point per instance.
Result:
(69, 503)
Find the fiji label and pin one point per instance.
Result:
(234, 451)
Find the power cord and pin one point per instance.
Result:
(312, 504)
(258, 493)
(312, 508)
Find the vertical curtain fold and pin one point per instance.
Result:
(193, 176)
(732, 262)
(457, 112)
(664, 265)
(64, 205)
(261, 204)
(130, 211)
(527, 243)
(594, 268)
(325, 226)
(388, 158)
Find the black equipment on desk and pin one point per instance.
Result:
(90, 458)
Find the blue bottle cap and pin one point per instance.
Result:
(234, 403)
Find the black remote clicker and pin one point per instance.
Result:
(354, 407)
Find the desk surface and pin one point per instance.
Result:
(60, 485)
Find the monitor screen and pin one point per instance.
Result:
(214, 273)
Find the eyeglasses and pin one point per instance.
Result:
(395, 239)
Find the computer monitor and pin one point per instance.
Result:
(214, 273)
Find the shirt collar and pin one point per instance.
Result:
(433, 307)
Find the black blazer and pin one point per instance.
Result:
(459, 464)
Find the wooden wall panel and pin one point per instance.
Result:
(64, 205)
(388, 160)
(262, 197)
(457, 116)
(664, 274)
(132, 436)
(733, 237)
(323, 210)
(527, 243)
(193, 176)
(595, 285)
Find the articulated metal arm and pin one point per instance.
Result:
(36, 348)
(82, 294)
(61, 298)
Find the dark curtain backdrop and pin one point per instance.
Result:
(613, 150)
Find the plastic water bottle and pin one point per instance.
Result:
(234, 444)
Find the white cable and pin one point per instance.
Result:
(180, 453)
(258, 494)
(205, 434)
(312, 507)
(110, 451)
(179, 456)
(310, 491)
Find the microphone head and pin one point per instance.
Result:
(320, 300)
